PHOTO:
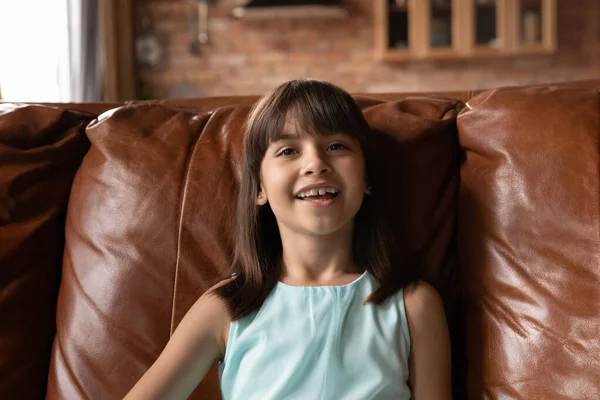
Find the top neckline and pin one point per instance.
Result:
(349, 284)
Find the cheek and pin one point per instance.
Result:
(355, 173)
(276, 182)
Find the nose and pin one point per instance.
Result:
(315, 164)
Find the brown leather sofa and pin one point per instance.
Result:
(112, 225)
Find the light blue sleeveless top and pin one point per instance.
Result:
(319, 343)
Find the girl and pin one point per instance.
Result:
(314, 308)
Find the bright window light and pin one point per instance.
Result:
(34, 50)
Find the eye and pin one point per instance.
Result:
(337, 146)
(288, 151)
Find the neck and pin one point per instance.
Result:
(318, 259)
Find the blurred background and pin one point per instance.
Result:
(114, 50)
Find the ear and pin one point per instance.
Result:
(261, 198)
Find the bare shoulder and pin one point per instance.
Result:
(424, 307)
(212, 310)
(213, 301)
(211, 291)
(210, 301)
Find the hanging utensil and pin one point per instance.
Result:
(148, 47)
(201, 38)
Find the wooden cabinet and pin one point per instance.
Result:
(533, 28)
(429, 29)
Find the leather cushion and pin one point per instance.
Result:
(528, 242)
(150, 223)
(41, 148)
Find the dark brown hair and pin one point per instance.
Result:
(320, 108)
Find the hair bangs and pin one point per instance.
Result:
(320, 113)
(317, 108)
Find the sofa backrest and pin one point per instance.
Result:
(41, 148)
(150, 224)
(529, 242)
(510, 191)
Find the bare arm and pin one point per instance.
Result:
(429, 361)
(196, 344)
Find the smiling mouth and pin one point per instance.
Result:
(324, 197)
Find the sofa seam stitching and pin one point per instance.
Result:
(179, 228)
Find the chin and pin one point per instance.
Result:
(324, 229)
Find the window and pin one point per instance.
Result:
(34, 50)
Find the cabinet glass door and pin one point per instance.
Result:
(486, 27)
(440, 26)
(398, 24)
(530, 22)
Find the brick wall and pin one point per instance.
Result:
(246, 57)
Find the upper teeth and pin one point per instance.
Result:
(317, 192)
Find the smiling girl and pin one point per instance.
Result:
(314, 308)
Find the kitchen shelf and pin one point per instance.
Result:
(426, 30)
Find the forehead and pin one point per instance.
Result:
(305, 123)
(293, 128)
(291, 134)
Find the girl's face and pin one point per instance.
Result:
(314, 184)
